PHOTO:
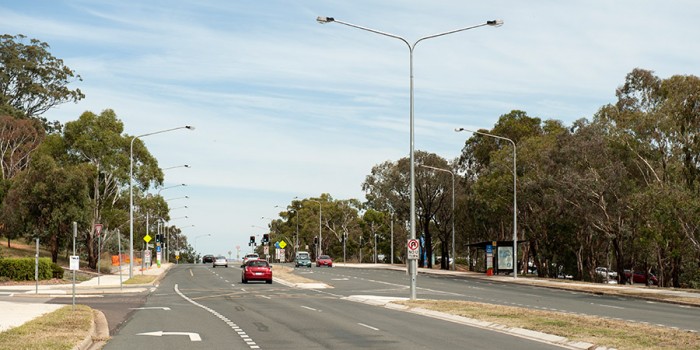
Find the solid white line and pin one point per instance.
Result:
(309, 308)
(191, 273)
(370, 327)
(611, 306)
(266, 297)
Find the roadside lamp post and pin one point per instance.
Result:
(515, 194)
(319, 251)
(175, 198)
(131, 191)
(454, 256)
(177, 166)
(413, 266)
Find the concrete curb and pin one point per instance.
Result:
(98, 335)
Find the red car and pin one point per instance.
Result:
(256, 270)
(324, 260)
(640, 277)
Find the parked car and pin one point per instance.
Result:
(324, 260)
(605, 273)
(256, 270)
(251, 256)
(220, 261)
(302, 259)
(640, 277)
(208, 259)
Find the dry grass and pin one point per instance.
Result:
(141, 279)
(61, 329)
(604, 332)
(287, 273)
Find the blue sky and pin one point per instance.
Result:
(284, 106)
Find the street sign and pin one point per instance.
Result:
(158, 249)
(147, 256)
(98, 229)
(413, 251)
(147, 238)
(74, 262)
(283, 244)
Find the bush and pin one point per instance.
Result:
(57, 271)
(22, 269)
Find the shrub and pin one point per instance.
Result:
(57, 271)
(22, 269)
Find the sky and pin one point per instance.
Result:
(285, 107)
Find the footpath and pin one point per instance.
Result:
(16, 313)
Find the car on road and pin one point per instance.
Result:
(251, 256)
(256, 270)
(640, 277)
(220, 261)
(324, 260)
(302, 259)
(208, 259)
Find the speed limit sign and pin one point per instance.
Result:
(413, 251)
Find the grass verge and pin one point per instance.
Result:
(58, 330)
(604, 332)
(141, 279)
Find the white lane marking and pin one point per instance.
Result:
(309, 308)
(151, 308)
(191, 273)
(230, 323)
(266, 297)
(610, 306)
(370, 327)
(193, 336)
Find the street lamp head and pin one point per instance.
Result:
(324, 20)
(191, 127)
(459, 129)
(495, 23)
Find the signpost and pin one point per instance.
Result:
(413, 249)
(98, 231)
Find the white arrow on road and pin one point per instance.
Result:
(151, 308)
(193, 336)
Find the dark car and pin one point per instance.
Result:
(324, 260)
(640, 277)
(256, 270)
(208, 259)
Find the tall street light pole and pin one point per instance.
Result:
(454, 256)
(131, 191)
(413, 265)
(319, 250)
(515, 194)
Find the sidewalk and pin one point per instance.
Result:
(15, 314)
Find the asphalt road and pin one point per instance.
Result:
(198, 307)
(349, 281)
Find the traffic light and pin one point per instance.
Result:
(266, 238)
(157, 237)
(315, 240)
(252, 240)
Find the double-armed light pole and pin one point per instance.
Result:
(515, 195)
(131, 191)
(413, 264)
(454, 256)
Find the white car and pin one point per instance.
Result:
(220, 261)
(251, 256)
(605, 273)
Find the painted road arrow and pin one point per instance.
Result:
(193, 336)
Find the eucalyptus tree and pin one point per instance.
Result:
(99, 142)
(45, 199)
(33, 80)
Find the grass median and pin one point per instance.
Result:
(600, 331)
(58, 330)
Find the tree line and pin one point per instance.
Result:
(618, 189)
